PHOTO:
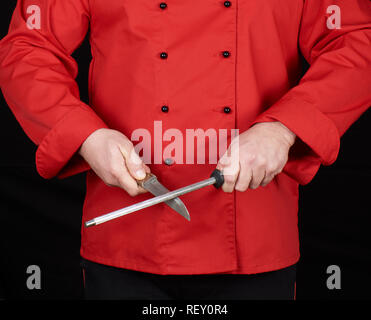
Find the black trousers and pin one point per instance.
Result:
(105, 282)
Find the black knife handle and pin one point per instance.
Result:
(219, 179)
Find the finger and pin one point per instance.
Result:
(230, 174)
(244, 179)
(147, 169)
(123, 177)
(128, 183)
(267, 180)
(133, 162)
(229, 182)
(258, 176)
(230, 166)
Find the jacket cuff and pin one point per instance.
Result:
(318, 140)
(57, 152)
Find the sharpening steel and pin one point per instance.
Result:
(215, 179)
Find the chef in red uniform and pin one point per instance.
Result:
(191, 64)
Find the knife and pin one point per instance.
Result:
(151, 184)
(216, 179)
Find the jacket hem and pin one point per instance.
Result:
(189, 270)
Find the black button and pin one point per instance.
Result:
(163, 5)
(165, 109)
(227, 110)
(227, 4)
(163, 55)
(226, 54)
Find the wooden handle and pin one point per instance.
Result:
(143, 181)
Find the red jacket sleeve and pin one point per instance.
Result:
(335, 39)
(37, 78)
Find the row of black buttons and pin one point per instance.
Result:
(163, 5)
(225, 54)
(165, 109)
(164, 55)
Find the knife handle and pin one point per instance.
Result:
(219, 178)
(148, 176)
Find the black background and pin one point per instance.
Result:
(40, 219)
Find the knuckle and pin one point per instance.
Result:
(282, 161)
(270, 169)
(262, 161)
(128, 145)
(224, 161)
(268, 179)
(110, 181)
(221, 164)
(229, 179)
(114, 172)
(250, 158)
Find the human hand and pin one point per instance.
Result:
(112, 157)
(256, 156)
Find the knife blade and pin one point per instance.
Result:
(152, 185)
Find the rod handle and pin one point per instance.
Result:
(219, 178)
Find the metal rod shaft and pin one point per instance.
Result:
(150, 202)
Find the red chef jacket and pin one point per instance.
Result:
(196, 58)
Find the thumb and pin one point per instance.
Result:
(135, 165)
